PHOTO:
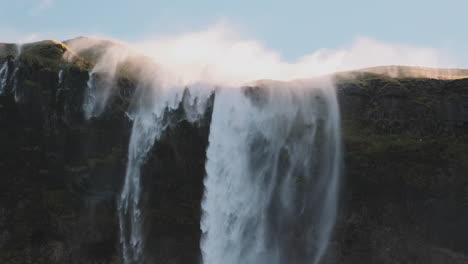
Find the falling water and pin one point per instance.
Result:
(98, 90)
(3, 77)
(147, 126)
(6, 78)
(15, 73)
(152, 102)
(149, 121)
(15, 84)
(273, 166)
(60, 77)
(90, 100)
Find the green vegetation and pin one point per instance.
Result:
(45, 54)
(48, 55)
(425, 164)
(365, 80)
(7, 51)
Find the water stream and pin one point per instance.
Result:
(273, 166)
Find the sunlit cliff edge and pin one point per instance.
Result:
(54, 54)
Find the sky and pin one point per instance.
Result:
(292, 28)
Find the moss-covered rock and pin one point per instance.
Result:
(404, 195)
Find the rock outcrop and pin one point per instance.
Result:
(406, 166)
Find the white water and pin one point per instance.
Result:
(60, 77)
(149, 122)
(272, 171)
(3, 77)
(98, 91)
(146, 128)
(15, 84)
(89, 97)
(15, 74)
(273, 166)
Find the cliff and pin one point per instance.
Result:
(405, 194)
(404, 199)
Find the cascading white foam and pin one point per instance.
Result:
(147, 126)
(3, 77)
(98, 91)
(102, 78)
(273, 166)
(158, 93)
(150, 119)
(15, 84)
(15, 73)
(6, 78)
(60, 77)
(274, 155)
(89, 97)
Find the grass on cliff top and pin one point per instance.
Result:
(92, 49)
(362, 79)
(49, 49)
(395, 75)
(8, 50)
(45, 53)
(49, 54)
(397, 71)
(427, 164)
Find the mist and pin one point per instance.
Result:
(222, 55)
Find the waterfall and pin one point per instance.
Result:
(60, 87)
(3, 77)
(152, 117)
(97, 93)
(15, 84)
(15, 73)
(273, 167)
(147, 126)
(60, 77)
(6, 78)
(273, 161)
(89, 97)
(98, 90)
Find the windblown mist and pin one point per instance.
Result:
(222, 55)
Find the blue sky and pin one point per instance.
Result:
(291, 27)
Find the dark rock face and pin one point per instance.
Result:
(173, 189)
(61, 175)
(59, 179)
(404, 196)
(406, 166)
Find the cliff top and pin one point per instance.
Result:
(83, 53)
